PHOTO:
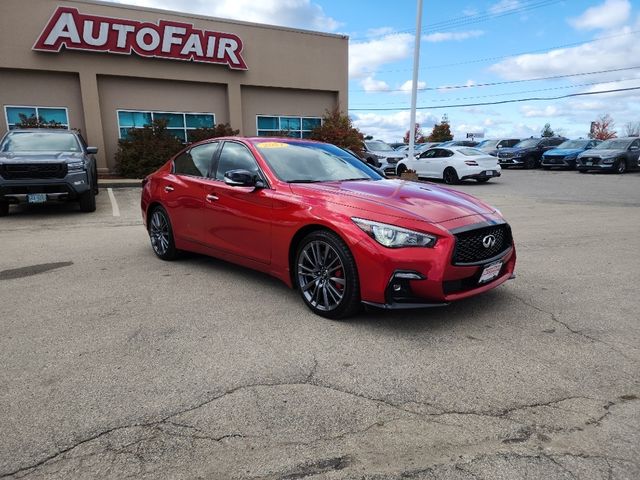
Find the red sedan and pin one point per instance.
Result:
(322, 221)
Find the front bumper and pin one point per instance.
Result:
(438, 281)
(558, 162)
(68, 188)
(595, 165)
(511, 161)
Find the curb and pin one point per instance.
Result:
(128, 183)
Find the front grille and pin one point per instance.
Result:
(20, 171)
(553, 160)
(505, 155)
(594, 160)
(470, 248)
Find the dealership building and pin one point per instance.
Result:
(105, 68)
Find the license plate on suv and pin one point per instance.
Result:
(36, 198)
(490, 272)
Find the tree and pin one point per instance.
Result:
(146, 149)
(37, 122)
(633, 129)
(602, 129)
(546, 131)
(220, 130)
(419, 136)
(440, 133)
(336, 128)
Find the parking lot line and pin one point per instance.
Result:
(114, 203)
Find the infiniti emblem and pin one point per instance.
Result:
(489, 241)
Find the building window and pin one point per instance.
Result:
(297, 127)
(58, 115)
(178, 123)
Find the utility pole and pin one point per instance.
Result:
(414, 86)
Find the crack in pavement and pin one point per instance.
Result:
(308, 380)
(581, 333)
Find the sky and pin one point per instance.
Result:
(471, 52)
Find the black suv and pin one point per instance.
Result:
(37, 165)
(528, 153)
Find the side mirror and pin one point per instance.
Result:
(92, 150)
(242, 178)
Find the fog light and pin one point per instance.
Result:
(397, 287)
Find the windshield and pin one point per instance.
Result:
(471, 152)
(530, 142)
(574, 144)
(378, 145)
(307, 162)
(40, 142)
(613, 144)
(487, 143)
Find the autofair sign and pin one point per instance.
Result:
(172, 40)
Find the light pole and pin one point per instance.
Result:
(414, 86)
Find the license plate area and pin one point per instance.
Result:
(489, 173)
(36, 197)
(490, 272)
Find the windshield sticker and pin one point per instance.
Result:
(272, 145)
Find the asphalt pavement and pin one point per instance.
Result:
(116, 364)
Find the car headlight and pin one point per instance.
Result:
(75, 166)
(608, 160)
(394, 237)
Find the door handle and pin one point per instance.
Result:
(212, 198)
(168, 188)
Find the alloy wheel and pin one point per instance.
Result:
(159, 233)
(321, 275)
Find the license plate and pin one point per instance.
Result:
(489, 173)
(490, 272)
(588, 164)
(36, 198)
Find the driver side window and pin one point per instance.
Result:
(235, 156)
(429, 154)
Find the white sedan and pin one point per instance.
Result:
(453, 164)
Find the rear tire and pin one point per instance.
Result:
(87, 201)
(326, 275)
(4, 209)
(161, 234)
(450, 176)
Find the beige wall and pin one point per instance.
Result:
(124, 93)
(292, 68)
(41, 89)
(282, 101)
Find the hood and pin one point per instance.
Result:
(39, 157)
(564, 151)
(602, 153)
(398, 198)
(515, 150)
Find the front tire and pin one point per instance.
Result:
(530, 162)
(621, 166)
(401, 169)
(326, 275)
(161, 234)
(87, 201)
(450, 176)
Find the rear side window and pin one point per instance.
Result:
(195, 162)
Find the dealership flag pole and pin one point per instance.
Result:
(414, 86)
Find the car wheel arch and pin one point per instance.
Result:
(150, 209)
(295, 242)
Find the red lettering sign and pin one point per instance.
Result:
(73, 30)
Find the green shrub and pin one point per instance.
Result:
(220, 130)
(146, 149)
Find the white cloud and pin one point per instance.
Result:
(290, 13)
(370, 84)
(448, 36)
(406, 86)
(609, 14)
(391, 127)
(380, 31)
(470, 12)
(366, 57)
(549, 111)
(504, 6)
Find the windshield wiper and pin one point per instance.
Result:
(304, 180)
(354, 179)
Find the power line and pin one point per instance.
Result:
(508, 82)
(501, 102)
(502, 57)
(456, 22)
(548, 89)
